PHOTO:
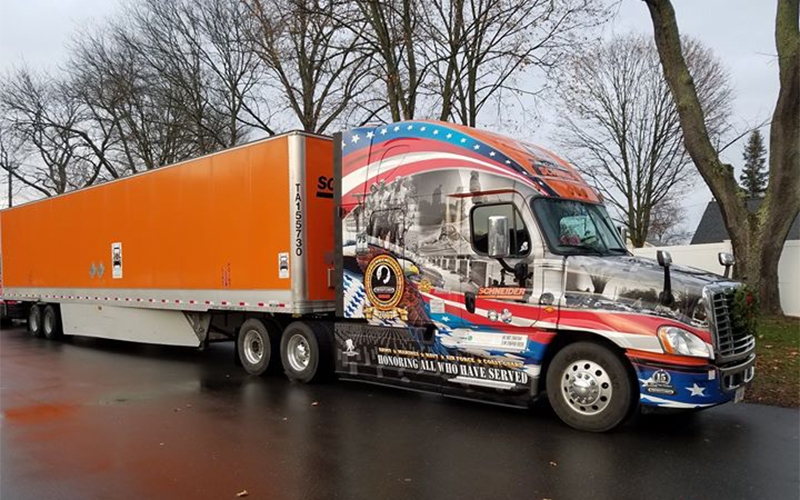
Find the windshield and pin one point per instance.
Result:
(574, 227)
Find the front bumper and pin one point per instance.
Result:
(738, 374)
(691, 387)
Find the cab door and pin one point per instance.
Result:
(502, 287)
(499, 309)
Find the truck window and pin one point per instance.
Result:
(479, 225)
(573, 227)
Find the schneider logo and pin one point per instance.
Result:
(324, 187)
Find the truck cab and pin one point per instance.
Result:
(479, 266)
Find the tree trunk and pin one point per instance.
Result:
(757, 238)
(757, 264)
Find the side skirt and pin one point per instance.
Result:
(150, 326)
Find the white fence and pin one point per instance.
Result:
(705, 257)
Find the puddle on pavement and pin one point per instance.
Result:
(38, 413)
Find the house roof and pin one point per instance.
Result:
(711, 228)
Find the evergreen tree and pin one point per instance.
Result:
(754, 175)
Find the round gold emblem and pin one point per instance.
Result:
(384, 282)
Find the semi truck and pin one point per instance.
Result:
(421, 254)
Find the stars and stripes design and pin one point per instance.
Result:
(691, 389)
(383, 153)
(354, 296)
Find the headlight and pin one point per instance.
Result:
(678, 341)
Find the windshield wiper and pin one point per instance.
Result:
(587, 248)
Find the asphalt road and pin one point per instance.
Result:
(88, 419)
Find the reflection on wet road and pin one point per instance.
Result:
(89, 418)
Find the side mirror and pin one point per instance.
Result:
(499, 245)
(664, 258)
(727, 260)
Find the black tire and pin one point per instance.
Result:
(590, 387)
(316, 341)
(254, 347)
(51, 323)
(35, 320)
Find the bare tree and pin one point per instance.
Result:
(229, 55)
(757, 238)
(315, 63)
(10, 160)
(480, 48)
(126, 96)
(393, 38)
(166, 81)
(666, 218)
(449, 58)
(621, 126)
(200, 51)
(43, 114)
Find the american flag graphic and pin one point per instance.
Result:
(383, 153)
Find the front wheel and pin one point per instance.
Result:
(589, 387)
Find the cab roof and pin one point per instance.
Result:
(527, 163)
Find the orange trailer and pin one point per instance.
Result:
(246, 229)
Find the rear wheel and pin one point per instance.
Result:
(307, 351)
(589, 387)
(254, 347)
(35, 320)
(51, 322)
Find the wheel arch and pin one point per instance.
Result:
(564, 338)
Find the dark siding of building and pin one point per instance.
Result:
(711, 228)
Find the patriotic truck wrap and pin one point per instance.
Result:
(419, 254)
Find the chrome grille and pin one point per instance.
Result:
(730, 343)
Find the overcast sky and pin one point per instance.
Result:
(740, 32)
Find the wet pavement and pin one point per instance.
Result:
(89, 418)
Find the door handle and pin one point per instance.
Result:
(469, 301)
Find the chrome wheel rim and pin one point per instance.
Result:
(253, 347)
(298, 352)
(586, 387)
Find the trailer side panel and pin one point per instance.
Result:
(209, 233)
